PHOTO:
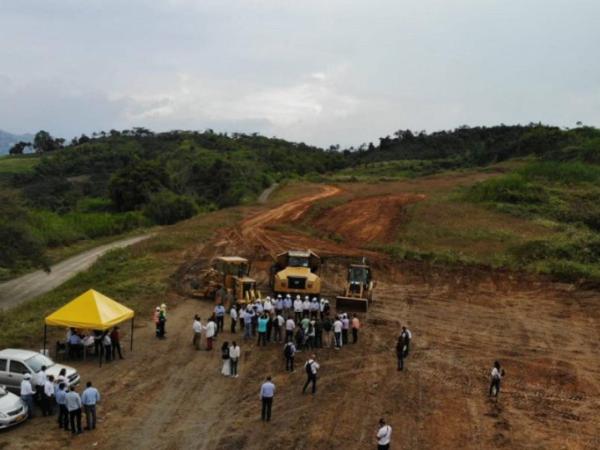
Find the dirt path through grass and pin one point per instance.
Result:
(27, 287)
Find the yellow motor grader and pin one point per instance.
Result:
(227, 279)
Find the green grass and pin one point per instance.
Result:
(13, 165)
(137, 276)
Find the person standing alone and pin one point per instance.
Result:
(234, 357)
(495, 378)
(89, 398)
(267, 392)
(311, 366)
(384, 435)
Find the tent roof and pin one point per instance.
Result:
(91, 310)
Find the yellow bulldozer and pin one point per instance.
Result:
(227, 279)
(295, 273)
(358, 293)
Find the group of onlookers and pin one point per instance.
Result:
(106, 343)
(55, 396)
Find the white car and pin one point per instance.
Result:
(12, 409)
(14, 364)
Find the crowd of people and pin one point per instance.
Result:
(106, 344)
(55, 397)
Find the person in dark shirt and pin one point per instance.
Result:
(115, 338)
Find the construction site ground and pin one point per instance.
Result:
(166, 395)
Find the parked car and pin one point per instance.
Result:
(15, 363)
(12, 409)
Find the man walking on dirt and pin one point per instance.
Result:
(197, 328)
(400, 348)
(289, 350)
(267, 392)
(407, 337)
(311, 366)
(495, 378)
(384, 435)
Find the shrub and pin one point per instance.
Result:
(512, 188)
(165, 208)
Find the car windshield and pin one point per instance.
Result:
(36, 362)
(298, 261)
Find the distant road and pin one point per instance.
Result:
(19, 290)
(264, 196)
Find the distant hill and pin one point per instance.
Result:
(7, 140)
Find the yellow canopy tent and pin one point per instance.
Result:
(90, 311)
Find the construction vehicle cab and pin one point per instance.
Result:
(294, 273)
(230, 280)
(359, 289)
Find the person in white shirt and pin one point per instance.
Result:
(311, 366)
(306, 307)
(197, 328)
(337, 332)
(298, 308)
(289, 329)
(107, 344)
(48, 397)
(495, 378)
(27, 393)
(384, 435)
(234, 357)
(279, 322)
(39, 379)
(268, 306)
(287, 304)
(233, 313)
(407, 337)
(211, 328)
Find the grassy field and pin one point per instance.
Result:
(521, 215)
(11, 165)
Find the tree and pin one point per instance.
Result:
(19, 148)
(43, 142)
(131, 187)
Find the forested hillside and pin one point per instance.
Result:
(117, 181)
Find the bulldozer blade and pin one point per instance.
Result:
(351, 304)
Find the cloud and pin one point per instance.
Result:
(311, 99)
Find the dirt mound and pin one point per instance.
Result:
(366, 220)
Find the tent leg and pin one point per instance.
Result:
(45, 334)
(101, 353)
(131, 344)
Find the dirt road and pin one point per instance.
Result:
(166, 395)
(19, 290)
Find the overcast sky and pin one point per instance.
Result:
(319, 71)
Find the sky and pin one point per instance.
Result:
(321, 72)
